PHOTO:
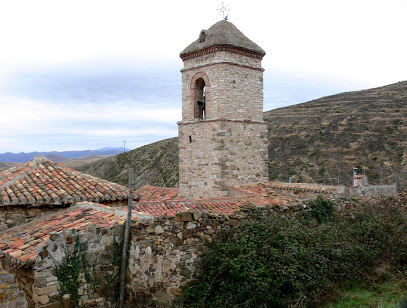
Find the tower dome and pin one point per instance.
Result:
(222, 34)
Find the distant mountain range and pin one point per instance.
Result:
(56, 156)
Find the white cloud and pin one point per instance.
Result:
(358, 41)
(34, 119)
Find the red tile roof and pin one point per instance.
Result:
(159, 194)
(21, 242)
(301, 187)
(159, 201)
(42, 181)
(265, 194)
(213, 206)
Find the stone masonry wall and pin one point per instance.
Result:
(10, 295)
(163, 254)
(23, 279)
(11, 216)
(97, 245)
(372, 190)
(14, 215)
(216, 154)
(234, 89)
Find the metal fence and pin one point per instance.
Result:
(376, 176)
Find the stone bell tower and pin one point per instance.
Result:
(222, 135)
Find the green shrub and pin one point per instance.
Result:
(275, 261)
(322, 209)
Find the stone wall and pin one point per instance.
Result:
(163, 254)
(234, 86)
(11, 216)
(15, 285)
(15, 215)
(372, 190)
(229, 145)
(216, 154)
(97, 246)
(10, 295)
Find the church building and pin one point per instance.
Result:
(222, 135)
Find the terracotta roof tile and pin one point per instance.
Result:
(42, 181)
(154, 193)
(171, 208)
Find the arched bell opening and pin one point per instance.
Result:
(200, 99)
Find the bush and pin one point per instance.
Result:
(322, 209)
(274, 261)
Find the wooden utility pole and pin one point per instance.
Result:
(126, 239)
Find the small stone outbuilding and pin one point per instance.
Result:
(41, 186)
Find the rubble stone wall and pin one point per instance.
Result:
(216, 154)
(14, 215)
(97, 246)
(372, 190)
(163, 254)
(15, 285)
(234, 87)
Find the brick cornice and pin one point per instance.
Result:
(219, 120)
(211, 49)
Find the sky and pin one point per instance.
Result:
(86, 74)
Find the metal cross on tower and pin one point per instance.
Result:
(223, 9)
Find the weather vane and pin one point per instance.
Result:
(224, 9)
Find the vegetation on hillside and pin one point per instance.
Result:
(365, 129)
(274, 261)
(329, 135)
(154, 164)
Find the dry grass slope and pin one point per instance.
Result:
(363, 128)
(154, 164)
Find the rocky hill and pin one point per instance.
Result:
(367, 129)
(154, 164)
(308, 141)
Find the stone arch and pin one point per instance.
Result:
(200, 95)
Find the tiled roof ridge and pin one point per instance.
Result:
(41, 181)
(330, 189)
(42, 159)
(19, 176)
(88, 176)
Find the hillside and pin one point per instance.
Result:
(363, 128)
(79, 161)
(154, 164)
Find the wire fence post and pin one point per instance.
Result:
(126, 239)
(339, 174)
(329, 176)
(381, 175)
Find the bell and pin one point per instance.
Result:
(201, 104)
